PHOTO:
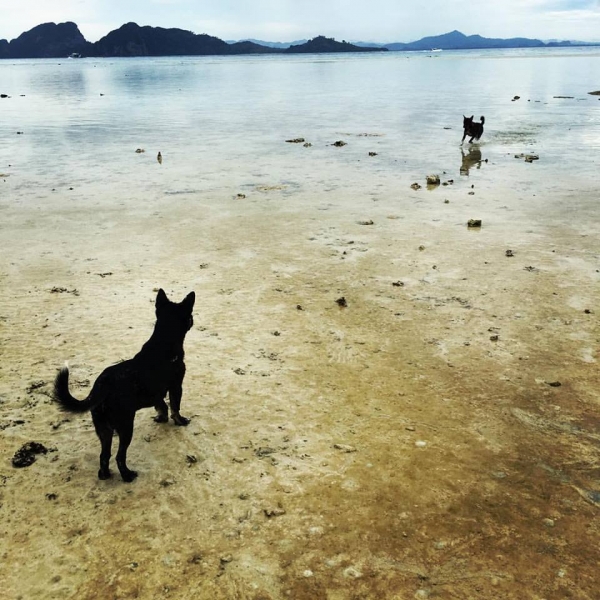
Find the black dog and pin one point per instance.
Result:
(474, 130)
(141, 382)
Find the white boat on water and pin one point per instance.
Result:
(74, 55)
(435, 50)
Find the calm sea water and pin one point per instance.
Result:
(221, 122)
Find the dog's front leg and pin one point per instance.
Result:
(464, 136)
(175, 393)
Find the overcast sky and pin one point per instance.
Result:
(288, 20)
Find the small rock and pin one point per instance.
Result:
(241, 196)
(554, 383)
(372, 153)
(191, 459)
(341, 302)
(421, 248)
(549, 522)
(367, 222)
(339, 144)
(352, 572)
(433, 180)
(25, 456)
(420, 444)
(528, 157)
(516, 98)
(307, 573)
(494, 338)
(398, 283)
(140, 151)
(509, 253)
(587, 311)
(264, 451)
(274, 512)
(159, 158)
(345, 448)
(295, 141)
(51, 496)
(474, 223)
(415, 186)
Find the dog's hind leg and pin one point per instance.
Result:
(125, 431)
(175, 393)
(105, 434)
(163, 412)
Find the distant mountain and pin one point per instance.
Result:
(455, 40)
(324, 44)
(51, 40)
(48, 41)
(279, 45)
(248, 47)
(132, 40)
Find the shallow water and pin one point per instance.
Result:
(221, 122)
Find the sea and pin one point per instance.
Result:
(221, 123)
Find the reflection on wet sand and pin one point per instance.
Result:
(471, 158)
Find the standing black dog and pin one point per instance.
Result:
(140, 382)
(474, 130)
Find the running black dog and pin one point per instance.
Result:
(140, 382)
(474, 130)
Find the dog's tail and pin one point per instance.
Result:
(68, 402)
(482, 119)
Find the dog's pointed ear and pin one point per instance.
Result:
(472, 117)
(161, 298)
(189, 300)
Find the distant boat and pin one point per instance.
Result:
(74, 55)
(435, 50)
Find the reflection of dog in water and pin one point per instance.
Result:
(470, 159)
(474, 130)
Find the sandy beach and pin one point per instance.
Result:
(437, 437)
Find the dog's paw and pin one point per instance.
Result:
(161, 418)
(128, 476)
(104, 474)
(179, 420)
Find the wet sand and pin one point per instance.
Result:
(436, 437)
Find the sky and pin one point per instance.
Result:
(381, 21)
